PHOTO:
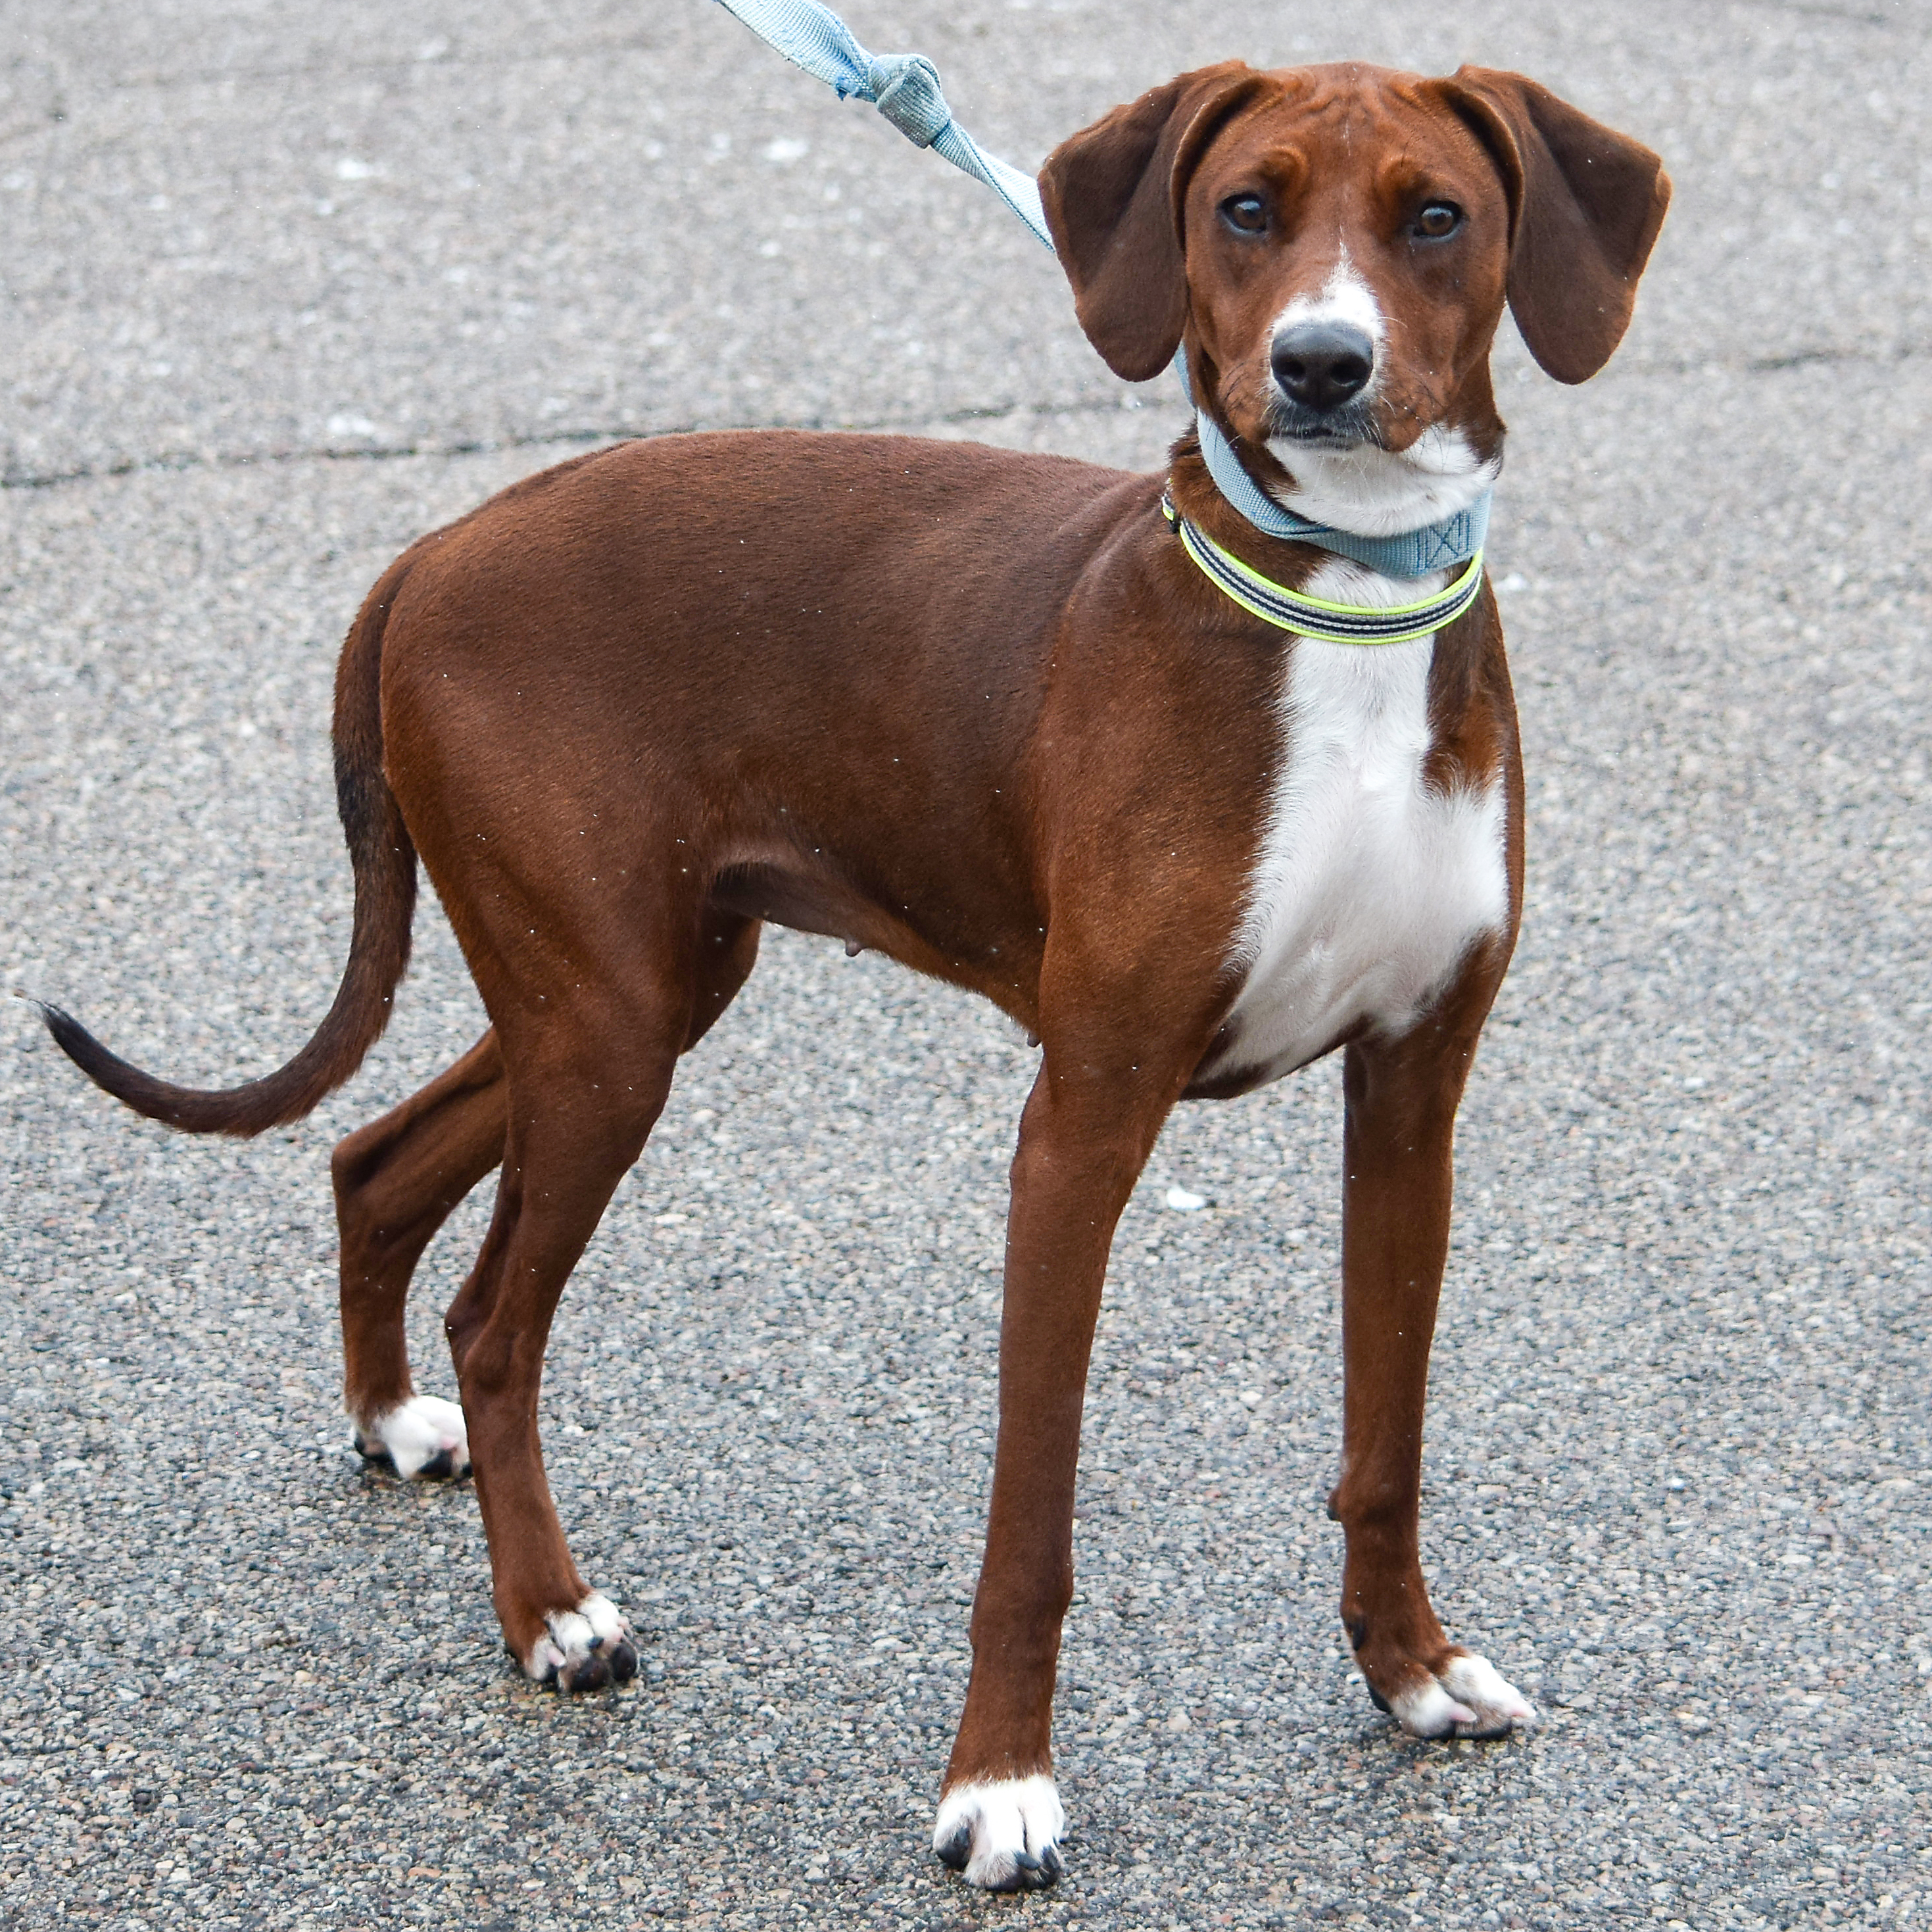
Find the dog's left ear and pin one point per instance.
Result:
(1585, 204)
(1111, 193)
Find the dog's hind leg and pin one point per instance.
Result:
(587, 1075)
(398, 1179)
(396, 1182)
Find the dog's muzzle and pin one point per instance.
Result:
(1352, 427)
(1322, 370)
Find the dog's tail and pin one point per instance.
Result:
(385, 863)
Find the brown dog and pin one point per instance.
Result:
(983, 712)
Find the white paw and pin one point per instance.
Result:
(1470, 1699)
(585, 1649)
(1003, 1834)
(424, 1436)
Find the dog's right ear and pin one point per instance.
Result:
(1112, 195)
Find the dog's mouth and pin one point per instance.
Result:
(1352, 427)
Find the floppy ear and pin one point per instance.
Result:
(1585, 204)
(1112, 198)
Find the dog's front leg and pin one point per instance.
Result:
(1083, 1139)
(1402, 1097)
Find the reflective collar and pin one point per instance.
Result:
(1316, 617)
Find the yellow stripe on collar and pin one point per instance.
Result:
(1318, 617)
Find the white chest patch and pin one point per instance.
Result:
(1370, 885)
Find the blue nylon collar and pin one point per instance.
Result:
(905, 87)
(1407, 554)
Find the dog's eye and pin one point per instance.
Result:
(1245, 212)
(1440, 218)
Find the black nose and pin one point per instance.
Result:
(1320, 364)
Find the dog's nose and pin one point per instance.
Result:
(1320, 364)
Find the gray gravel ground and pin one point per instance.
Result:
(281, 286)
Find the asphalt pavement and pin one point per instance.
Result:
(282, 286)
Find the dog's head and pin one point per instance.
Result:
(1336, 245)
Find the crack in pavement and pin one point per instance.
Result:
(1907, 351)
(185, 460)
(64, 106)
(447, 56)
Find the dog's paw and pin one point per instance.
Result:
(1468, 1697)
(1002, 1833)
(583, 1649)
(424, 1436)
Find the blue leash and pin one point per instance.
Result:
(905, 87)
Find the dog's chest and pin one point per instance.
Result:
(1369, 884)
